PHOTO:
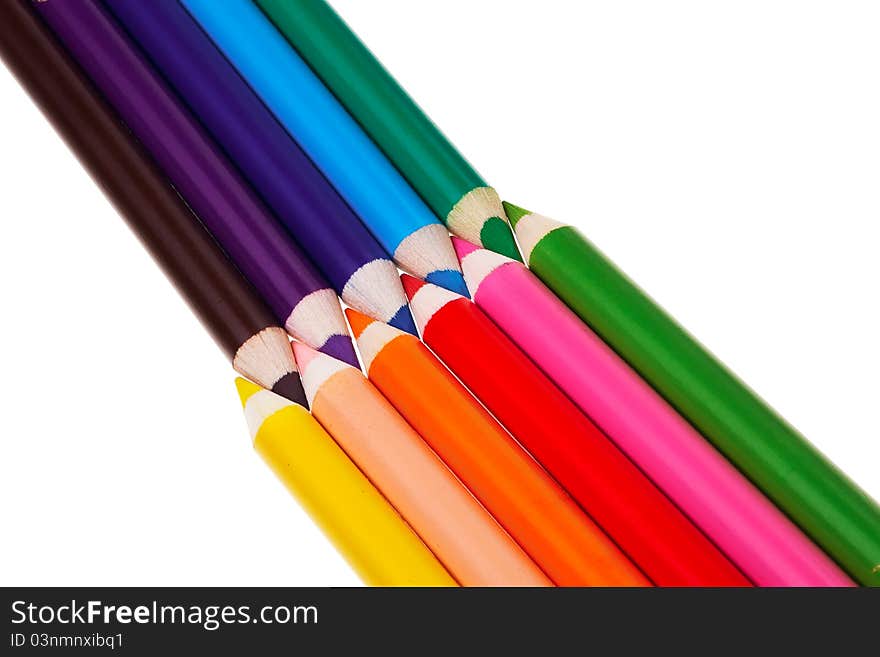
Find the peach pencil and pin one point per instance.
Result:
(467, 540)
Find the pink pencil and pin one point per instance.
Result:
(753, 533)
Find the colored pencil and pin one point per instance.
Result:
(466, 539)
(294, 188)
(338, 146)
(829, 507)
(437, 171)
(646, 525)
(229, 308)
(536, 512)
(354, 261)
(378, 544)
(742, 522)
(254, 240)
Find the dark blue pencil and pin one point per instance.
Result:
(298, 193)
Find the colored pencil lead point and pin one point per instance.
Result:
(341, 348)
(411, 285)
(514, 212)
(246, 389)
(372, 336)
(427, 253)
(451, 280)
(426, 299)
(357, 321)
(304, 355)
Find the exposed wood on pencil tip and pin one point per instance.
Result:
(375, 289)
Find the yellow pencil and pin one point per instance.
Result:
(361, 524)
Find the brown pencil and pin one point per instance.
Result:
(241, 324)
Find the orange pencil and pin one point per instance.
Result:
(537, 513)
(459, 531)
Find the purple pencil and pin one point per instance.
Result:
(313, 208)
(236, 217)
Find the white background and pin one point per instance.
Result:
(726, 155)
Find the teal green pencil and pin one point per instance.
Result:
(449, 185)
(840, 517)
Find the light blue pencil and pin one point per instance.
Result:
(340, 148)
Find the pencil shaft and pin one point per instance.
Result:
(466, 539)
(760, 539)
(218, 294)
(236, 218)
(839, 516)
(428, 160)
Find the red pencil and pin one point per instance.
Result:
(646, 525)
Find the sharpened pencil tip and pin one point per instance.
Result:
(451, 280)
(341, 348)
(514, 212)
(411, 285)
(403, 320)
(246, 389)
(290, 387)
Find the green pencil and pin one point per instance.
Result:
(449, 185)
(840, 517)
